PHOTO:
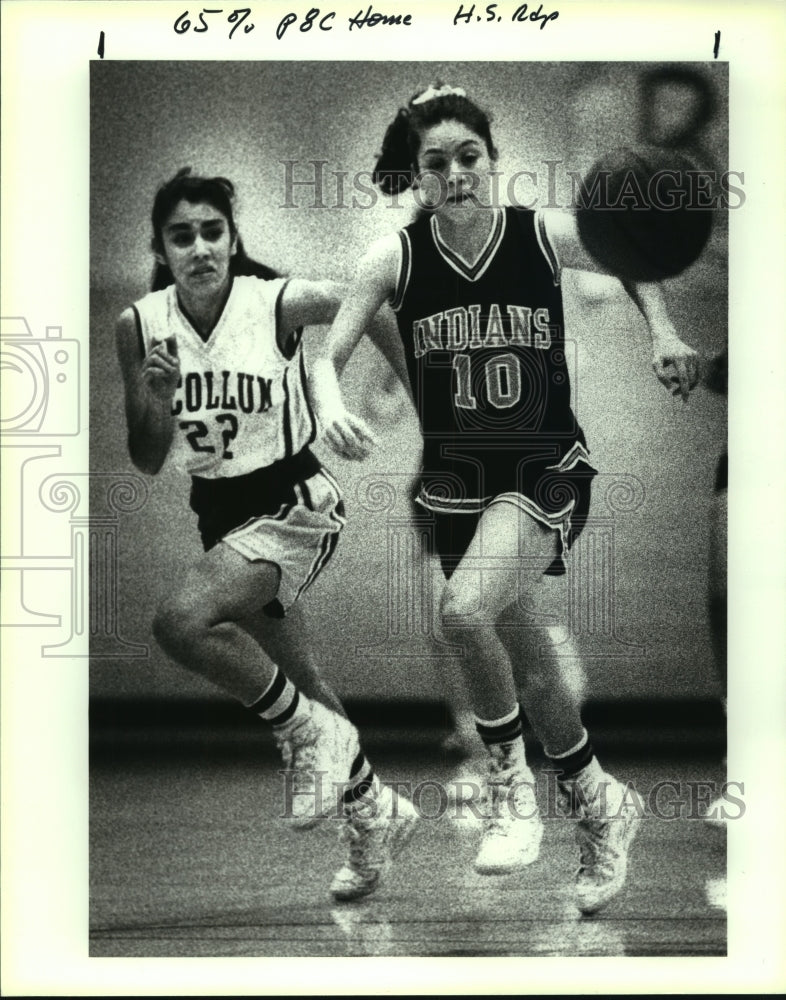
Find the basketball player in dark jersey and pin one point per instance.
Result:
(506, 470)
(215, 383)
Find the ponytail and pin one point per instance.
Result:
(395, 169)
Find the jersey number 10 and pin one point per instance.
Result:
(503, 381)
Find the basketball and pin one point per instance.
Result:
(645, 214)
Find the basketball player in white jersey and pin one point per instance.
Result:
(506, 471)
(215, 382)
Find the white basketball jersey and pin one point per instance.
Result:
(240, 403)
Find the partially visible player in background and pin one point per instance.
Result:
(506, 471)
(716, 379)
(215, 380)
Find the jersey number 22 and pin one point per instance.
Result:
(200, 431)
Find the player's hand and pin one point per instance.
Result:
(348, 435)
(675, 364)
(160, 371)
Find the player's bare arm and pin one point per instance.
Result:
(373, 285)
(309, 303)
(383, 334)
(149, 383)
(346, 433)
(674, 362)
(316, 303)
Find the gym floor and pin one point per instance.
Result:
(189, 857)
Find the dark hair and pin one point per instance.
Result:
(397, 163)
(216, 191)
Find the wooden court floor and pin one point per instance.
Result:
(189, 858)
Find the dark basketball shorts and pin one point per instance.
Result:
(289, 514)
(555, 495)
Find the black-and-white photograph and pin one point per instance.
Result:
(391, 538)
(420, 644)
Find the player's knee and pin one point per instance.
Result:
(457, 611)
(177, 627)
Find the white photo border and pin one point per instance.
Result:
(47, 48)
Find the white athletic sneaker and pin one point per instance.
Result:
(604, 835)
(513, 828)
(375, 833)
(319, 751)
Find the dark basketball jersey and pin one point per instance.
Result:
(485, 351)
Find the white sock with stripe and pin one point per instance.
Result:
(281, 702)
(505, 731)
